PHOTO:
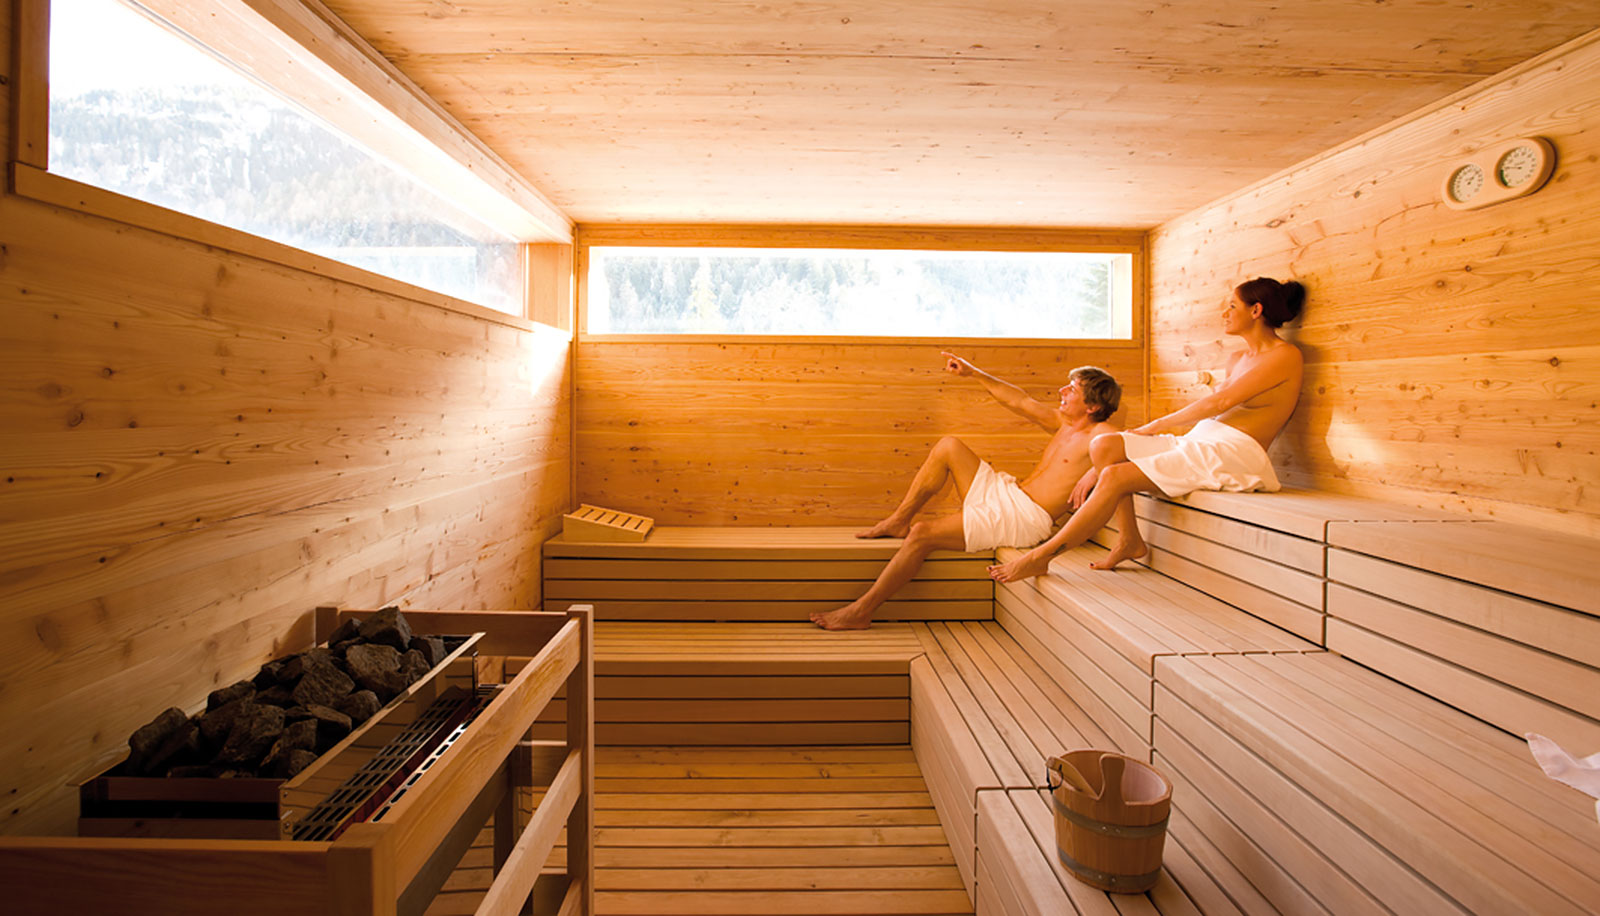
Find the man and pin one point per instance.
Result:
(996, 510)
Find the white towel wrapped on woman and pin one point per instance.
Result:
(1211, 456)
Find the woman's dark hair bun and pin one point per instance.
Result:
(1280, 302)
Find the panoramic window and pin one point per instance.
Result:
(858, 292)
(141, 110)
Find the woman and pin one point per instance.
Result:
(1225, 448)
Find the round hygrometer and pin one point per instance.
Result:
(1466, 183)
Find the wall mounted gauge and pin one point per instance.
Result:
(1499, 172)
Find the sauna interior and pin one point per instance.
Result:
(220, 445)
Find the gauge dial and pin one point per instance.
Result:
(1517, 167)
(1466, 183)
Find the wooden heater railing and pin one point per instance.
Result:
(389, 868)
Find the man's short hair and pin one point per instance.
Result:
(1100, 391)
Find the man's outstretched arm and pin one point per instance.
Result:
(1013, 398)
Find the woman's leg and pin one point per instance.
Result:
(1117, 483)
(949, 459)
(1105, 451)
(924, 538)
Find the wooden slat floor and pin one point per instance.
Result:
(756, 831)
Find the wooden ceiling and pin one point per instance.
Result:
(1075, 113)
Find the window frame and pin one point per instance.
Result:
(904, 238)
(318, 44)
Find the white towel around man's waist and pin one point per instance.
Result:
(1211, 456)
(997, 513)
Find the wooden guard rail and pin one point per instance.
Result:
(390, 868)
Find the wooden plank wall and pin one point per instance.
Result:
(800, 433)
(198, 448)
(1453, 357)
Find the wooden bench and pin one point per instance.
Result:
(1227, 544)
(1500, 621)
(984, 718)
(1099, 633)
(750, 574)
(1020, 875)
(748, 684)
(1329, 788)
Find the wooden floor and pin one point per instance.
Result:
(763, 831)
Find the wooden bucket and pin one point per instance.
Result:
(1111, 819)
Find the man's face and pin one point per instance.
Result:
(1072, 399)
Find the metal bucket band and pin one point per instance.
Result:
(1104, 829)
(1106, 880)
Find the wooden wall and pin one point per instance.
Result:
(1453, 357)
(198, 448)
(803, 433)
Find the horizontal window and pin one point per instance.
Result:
(139, 108)
(859, 292)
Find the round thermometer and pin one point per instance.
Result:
(1499, 172)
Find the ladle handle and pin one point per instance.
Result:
(1058, 771)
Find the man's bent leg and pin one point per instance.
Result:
(1117, 482)
(949, 459)
(944, 533)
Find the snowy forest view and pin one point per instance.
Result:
(895, 293)
(137, 110)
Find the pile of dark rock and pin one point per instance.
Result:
(295, 708)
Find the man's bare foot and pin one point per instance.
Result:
(890, 527)
(1024, 567)
(849, 617)
(1125, 549)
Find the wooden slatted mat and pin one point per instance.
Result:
(767, 574)
(748, 683)
(773, 831)
(1328, 788)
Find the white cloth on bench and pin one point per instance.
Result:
(1211, 456)
(1558, 763)
(997, 513)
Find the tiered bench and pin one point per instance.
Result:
(1329, 788)
(1311, 783)
(985, 715)
(1304, 781)
(1495, 619)
(747, 574)
(1101, 632)
(1229, 544)
(1069, 662)
(702, 683)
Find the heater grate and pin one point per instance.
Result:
(382, 780)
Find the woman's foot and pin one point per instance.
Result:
(1024, 567)
(1128, 548)
(850, 617)
(891, 527)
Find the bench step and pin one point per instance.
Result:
(700, 684)
(1102, 632)
(1021, 875)
(757, 574)
(1319, 780)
